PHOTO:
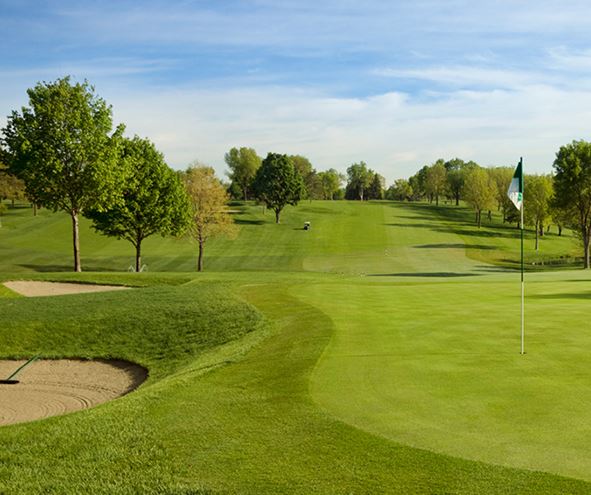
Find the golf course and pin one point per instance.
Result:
(376, 352)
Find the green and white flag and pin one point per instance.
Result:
(515, 191)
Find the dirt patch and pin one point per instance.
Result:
(30, 288)
(54, 387)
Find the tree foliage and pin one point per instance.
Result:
(359, 179)
(243, 163)
(435, 180)
(537, 196)
(330, 182)
(479, 192)
(572, 189)
(63, 148)
(501, 178)
(208, 206)
(277, 183)
(401, 190)
(153, 200)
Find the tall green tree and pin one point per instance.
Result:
(401, 190)
(501, 177)
(277, 183)
(331, 182)
(209, 211)
(436, 180)
(418, 183)
(479, 192)
(359, 180)
(153, 199)
(63, 147)
(243, 163)
(537, 196)
(376, 187)
(572, 189)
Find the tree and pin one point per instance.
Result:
(309, 176)
(63, 147)
(537, 196)
(209, 211)
(153, 199)
(330, 181)
(243, 163)
(11, 187)
(478, 192)
(418, 183)
(456, 171)
(572, 189)
(436, 180)
(501, 178)
(359, 180)
(277, 183)
(376, 187)
(401, 190)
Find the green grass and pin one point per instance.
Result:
(376, 353)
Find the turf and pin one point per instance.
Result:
(376, 353)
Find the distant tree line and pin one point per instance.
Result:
(562, 198)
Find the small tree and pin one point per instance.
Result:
(277, 183)
(243, 163)
(537, 196)
(436, 180)
(376, 187)
(501, 178)
(63, 149)
(330, 181)
(401, 190)
(209, 211)
(359, 180)
(153, 200)
(478, 192)
(572, 189)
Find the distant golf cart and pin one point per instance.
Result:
(307, 226)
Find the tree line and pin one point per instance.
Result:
(61, 152)
(562, 198)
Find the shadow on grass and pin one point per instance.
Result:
(89, 267)
(454, 246)
(241, 221)
(569, 295)
(425, 274)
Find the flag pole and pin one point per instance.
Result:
(522, 281)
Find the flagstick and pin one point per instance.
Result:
(522, 283)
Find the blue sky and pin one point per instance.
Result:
(396, 84)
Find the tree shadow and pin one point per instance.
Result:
(425, 274)
(241, 221)
(454, 246)
(569, 295)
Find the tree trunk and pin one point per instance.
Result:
(457, 199)
(437, 200)
(200, 257)
(34, 209)
(76, 241)
(479, 216)
(537, 235)
(559, 230)
(277, 212)
(541, 229)
(245, 194)
(138, 256)
(586, 235)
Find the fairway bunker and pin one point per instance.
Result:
(34, 288)
(54, 387)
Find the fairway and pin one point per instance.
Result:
(376, 353)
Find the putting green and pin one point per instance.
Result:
(437, 366)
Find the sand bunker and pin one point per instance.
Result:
(50, 388)
(30, 288)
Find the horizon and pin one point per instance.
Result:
(397, 86)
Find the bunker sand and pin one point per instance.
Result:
(30, 288)
(54, 387)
